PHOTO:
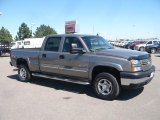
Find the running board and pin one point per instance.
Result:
(61, 79)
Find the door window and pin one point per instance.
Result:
(155, 42)
(150, 42)
(53, 44)
(71, 42)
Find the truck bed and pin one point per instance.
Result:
(31, 55)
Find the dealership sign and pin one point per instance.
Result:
(71, 27)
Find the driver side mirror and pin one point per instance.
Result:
(76, 50)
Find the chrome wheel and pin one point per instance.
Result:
(23, 73)
(153, 50)
(104, 86)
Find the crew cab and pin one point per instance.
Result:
(85, 59)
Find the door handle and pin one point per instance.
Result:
(61, 57)
(44, 55)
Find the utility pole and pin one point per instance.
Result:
(32, 24)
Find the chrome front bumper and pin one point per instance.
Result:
(138, 79)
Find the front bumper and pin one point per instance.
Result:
(138, 79)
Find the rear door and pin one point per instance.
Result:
(49, 58)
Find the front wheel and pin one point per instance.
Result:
(24, 74)
(106, 86)
(141, 49)
(0, 53)
(153, 50)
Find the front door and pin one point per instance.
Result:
(73, 65)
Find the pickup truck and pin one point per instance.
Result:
(85, 59)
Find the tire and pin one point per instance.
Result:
(141, 49)
(0, 53)
(153, 50)
(106, 86)
(24, 74)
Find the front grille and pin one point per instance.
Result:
(146, 64)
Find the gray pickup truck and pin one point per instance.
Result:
(85, 59)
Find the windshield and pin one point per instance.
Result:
(96, 43)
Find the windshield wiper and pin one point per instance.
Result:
(99, 49)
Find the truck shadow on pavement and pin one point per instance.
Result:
(76, 88)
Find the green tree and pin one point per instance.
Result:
(24, 32)
(44, 30)
(5, 34)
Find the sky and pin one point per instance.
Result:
(112, 19)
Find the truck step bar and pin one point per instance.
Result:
(60, 79)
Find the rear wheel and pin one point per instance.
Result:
(153, 50)
(106, 86)
(24, 74)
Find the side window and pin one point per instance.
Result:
(52, 44)
(27, 43)
(150, 42)
(155, 42)
(70, 42)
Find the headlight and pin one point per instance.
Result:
(135, 65)
(135, 62)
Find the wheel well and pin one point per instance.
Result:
(141, 47)
(21, 62)
(111, 70)
(154, 48)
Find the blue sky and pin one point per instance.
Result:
(109, 18)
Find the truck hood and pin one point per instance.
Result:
(124, 53)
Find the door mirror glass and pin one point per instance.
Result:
(77, 51)
(74, 45)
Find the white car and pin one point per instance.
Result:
(141, 47)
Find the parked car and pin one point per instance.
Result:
(128, 44)
(141, 46)
(4, 47)
(131, 46)
(153, 48)
(85, 59)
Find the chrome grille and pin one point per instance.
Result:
(146, 64)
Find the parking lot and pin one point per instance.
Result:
(44, 99)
